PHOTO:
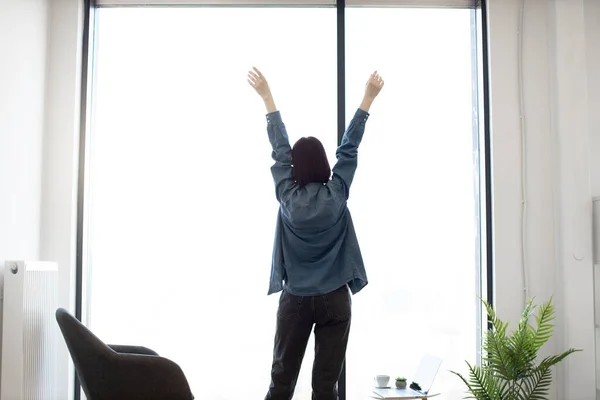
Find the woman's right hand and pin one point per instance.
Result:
(373, 86)
(372, 89)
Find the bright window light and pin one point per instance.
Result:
(413, 200)
(181, 202)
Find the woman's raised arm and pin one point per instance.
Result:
(282, 151)
(347, 152)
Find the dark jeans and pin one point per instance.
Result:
(330, 314)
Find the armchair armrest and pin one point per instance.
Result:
(149, 377)
(119, 348)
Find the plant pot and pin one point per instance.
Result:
(401, 384)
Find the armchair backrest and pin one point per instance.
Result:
(90, 355)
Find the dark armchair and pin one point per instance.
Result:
(118, 372)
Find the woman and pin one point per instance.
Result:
(316, 257)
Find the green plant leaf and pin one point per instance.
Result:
(520, 344)
(483, 383)
(496, 351)
(545, 328)
(537, 385)
(553, 360)
(496, 356)
(499, 326)
(466, 383)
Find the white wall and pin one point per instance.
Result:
(40, 43)
(592, 24)
(559, 168)
(23, 26)
(22, 88)
(60, 153)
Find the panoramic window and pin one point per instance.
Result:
(181, 206)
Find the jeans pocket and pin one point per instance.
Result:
(338, 304)
(289, 305)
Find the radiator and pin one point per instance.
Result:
(30, 335)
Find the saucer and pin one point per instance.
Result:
(382, 387)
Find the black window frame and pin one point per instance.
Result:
(479, 29)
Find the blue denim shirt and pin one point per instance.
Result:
(316, 250)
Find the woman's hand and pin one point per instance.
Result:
(372, 89)
(373, 86)
(260, 84)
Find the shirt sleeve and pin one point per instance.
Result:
(282, 155)
(347, 152)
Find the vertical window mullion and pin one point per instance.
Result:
(86, 82)
(341, 109)
(487, 160)
(341, 68)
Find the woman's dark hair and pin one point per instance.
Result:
(309, 162)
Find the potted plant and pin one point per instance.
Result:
(401, 382)
(509, 370)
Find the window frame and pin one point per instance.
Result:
(416, 3)
(481, 124)
(212, 3)
(281, 3)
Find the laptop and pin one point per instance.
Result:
(420, 385)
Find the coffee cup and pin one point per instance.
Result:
(382, 380)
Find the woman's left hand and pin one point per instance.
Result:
(259, 83)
